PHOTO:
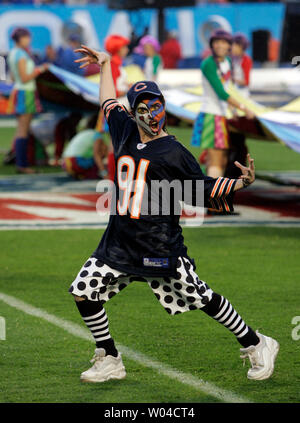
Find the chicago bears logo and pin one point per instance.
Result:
(140, 87)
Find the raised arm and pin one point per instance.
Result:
(107, 87)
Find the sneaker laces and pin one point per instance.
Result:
(97, 358)
(253, 358)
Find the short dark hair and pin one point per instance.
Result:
(19, 33)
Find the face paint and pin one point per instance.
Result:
(151, 116)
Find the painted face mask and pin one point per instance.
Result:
(151, 115)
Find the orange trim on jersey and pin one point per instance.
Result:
(108, 102)
(113, 106)
(215, 187)
(222, 187)
(109, 108)
(226, 205)
(229, 186)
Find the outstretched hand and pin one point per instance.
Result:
(91, 56)
(248, 173)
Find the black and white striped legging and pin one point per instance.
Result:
(222, 310)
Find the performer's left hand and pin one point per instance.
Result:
(248, 173)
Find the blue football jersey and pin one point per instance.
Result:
(143, 236)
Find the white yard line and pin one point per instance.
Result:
(11, 225)
(162, 368)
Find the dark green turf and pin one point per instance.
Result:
(256, 268)
(267, 155)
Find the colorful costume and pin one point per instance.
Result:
(78, 158)
(210, 128)
(24, 96)
(241, 71)
(113, 44)
(171, 53)
(152, 64)
(242, 65)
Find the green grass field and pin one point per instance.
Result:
(267, 155)
(255, 268)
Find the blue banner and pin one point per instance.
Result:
(48, 23)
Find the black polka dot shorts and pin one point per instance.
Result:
(97, 281)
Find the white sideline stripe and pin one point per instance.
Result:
(166, 370)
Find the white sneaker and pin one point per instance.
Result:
(105, 367)
(262, 357)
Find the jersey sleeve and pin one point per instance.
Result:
(214, 193)
(118, 120)
(209, 70)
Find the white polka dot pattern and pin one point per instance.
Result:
(97, 281)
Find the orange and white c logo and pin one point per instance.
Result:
(140, 86)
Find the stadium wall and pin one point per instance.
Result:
(193, 24)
